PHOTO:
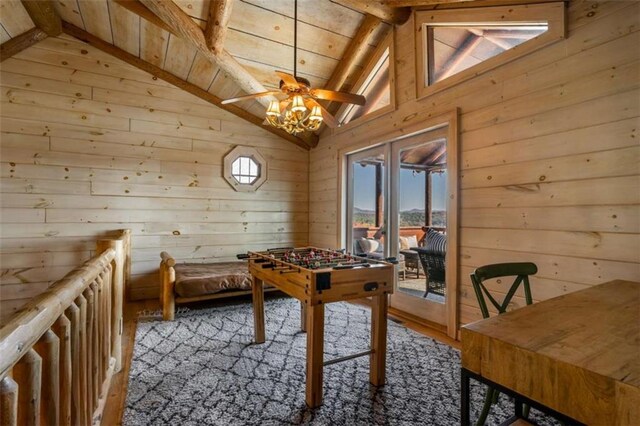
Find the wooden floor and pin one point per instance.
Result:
(118, 392)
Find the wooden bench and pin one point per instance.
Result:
(194, 282)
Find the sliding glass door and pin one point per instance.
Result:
(418, 224)
(401, 202)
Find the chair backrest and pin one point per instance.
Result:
(433, 263)
(520, 270)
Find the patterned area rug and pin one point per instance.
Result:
(203, 369)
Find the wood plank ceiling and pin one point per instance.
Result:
(259, 38)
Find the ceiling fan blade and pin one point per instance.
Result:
(288, 79)
(255, 95)
(331, 95)
(327, 118)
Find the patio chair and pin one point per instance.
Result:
(433, 265)
(432, 257)
(521, 271)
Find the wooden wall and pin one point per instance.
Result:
(549, 155)
(90, 144)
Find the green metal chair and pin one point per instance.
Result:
(521, 271)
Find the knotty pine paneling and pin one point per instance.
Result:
(90, 144)
(550, 166)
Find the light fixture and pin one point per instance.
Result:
(292, 115)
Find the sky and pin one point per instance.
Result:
(411, 189)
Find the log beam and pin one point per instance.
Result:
(217, 24)
(142, 11)
(310, 140)
(354, 50)
(464, 50)
(44, 16)
(21, 42)
(451, 4)
(392, 15)
(171, 14)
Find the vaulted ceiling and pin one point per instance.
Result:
(220, 49)
(254, 38)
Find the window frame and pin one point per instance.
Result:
(553, 14)
(253, 154)
(387, 42)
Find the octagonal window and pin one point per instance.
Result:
(245, 169)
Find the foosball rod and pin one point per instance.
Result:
(348, 357)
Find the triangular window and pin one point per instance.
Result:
(454, 45)
(456, 48)
(375, 84)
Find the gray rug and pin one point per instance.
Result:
(203, 369)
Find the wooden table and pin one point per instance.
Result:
(577, 355)
(316, 287)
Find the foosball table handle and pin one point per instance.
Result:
(373, 286)
(242, 256)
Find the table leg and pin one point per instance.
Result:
(257, 293)
(315, 349)
(378, 358)
(464, 398)
(303, 316)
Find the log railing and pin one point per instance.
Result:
(58, 353)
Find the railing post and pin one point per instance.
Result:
(73, 313)
(8, 402)
(81, 302)
(48, 347)
(62, 328)
(116, 290)
(125, 236)
(91, 339)
(28, 374)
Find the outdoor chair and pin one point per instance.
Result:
(432, 257)
(521, 271)
(433, 265)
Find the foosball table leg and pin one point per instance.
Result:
(315, 360)
(303, 316)
(378, 358)
(257, 293)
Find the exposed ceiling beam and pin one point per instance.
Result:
(354, 50)
(44, 16)
(392, 15)
(495, 40)
(180, 22)
(450, 4)
(459, 55)
(143, 11)
(21, 42)
(217, 24)
(125, 56)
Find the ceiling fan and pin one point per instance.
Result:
(300, 111)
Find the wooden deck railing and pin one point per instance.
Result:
(58, 353)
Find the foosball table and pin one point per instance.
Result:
(315, 277)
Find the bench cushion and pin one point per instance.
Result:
(199, 279)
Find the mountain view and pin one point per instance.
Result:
(413, 217)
